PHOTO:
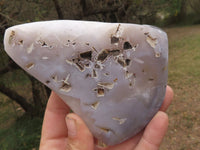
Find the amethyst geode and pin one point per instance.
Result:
(113, 75)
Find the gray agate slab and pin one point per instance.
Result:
(113, 75)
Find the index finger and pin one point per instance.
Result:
(54, 126)
(168, 99)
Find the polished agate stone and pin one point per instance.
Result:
(113, 75)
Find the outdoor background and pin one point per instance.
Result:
(23, 99)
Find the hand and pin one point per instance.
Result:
(61, 132)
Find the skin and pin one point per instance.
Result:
(66, 131)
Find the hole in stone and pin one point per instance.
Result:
(104, 129)
(44, 44)
(80, 66)
(127, 62)
(114, 39)
(115, 52)
(106, 85)
(97, 66)
(128, 75)
(106, 74)
(152, 41)
(65, 87)
(94, 73)
(50, 47)
(132, 81)
(87, 65)
(120, 120)
(115, 80)
(11, 37)
(69, 62)
(127, 45)
(121, 62)
(86, 55)
(88, 75)
(30, 65)
(55, 78)
(47, 82)
(76, 60)
(20, 42)
(151, 79)
(118, 27)
(100, 92)
(95, 105)
(66, 79)
(94, 49)
(157, 55)
(103, 55)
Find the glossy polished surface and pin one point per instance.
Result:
(113, 75)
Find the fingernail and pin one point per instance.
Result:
(71, 126)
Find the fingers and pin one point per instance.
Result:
(54, 130)
(154, 132)
(61, 132)
(79, 136)
(127, 145)
(168, 98)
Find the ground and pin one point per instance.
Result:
(184, 73)
(184, 112)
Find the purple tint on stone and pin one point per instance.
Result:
(113, 75)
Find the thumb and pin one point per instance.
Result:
(79, 136)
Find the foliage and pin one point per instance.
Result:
(174, 6)
(195, 5)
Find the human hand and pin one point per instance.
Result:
(61, 132)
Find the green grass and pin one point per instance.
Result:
(24, 134)
(17, 131)
(184, 77)
(184, 59)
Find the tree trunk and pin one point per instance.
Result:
(17, 98)
(182, 14)
(10, 67)
(40, 96)
(58, 9)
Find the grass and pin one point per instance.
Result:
(17, 131)
(22, 132)
(184, 73)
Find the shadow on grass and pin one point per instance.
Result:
(24, 134)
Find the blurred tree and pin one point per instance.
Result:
(10, 16)
(195, 4)
(176, 10)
